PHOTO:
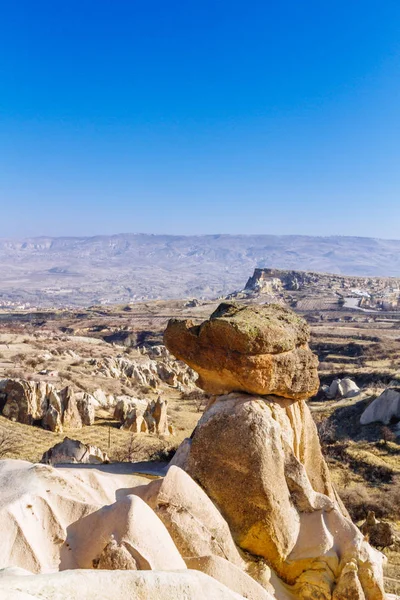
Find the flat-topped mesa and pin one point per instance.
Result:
(254, 349)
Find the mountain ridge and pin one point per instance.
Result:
(83, 270)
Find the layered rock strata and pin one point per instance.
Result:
(260, 350)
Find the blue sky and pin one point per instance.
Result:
(200, 117)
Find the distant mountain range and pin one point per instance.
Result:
(80, 271)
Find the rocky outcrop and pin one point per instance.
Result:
(74, 451)
(153, 368)
(256, 349)
(81, 526)
(379, 533)
(259, 460)
(127, 527)
(140, 416)
(258, 457)
(341, 388)
(118, 585)
(195, 524)
(384, 409)
(230, 575)
(39, 403)
(254, 506)
(38, 504)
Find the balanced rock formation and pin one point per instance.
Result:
(259, 459)
(74, 452)
(257, 349)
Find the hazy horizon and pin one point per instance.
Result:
(178, 235)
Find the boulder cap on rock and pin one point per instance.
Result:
(256, 349)
(250, 330)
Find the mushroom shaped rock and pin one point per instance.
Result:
(193, 521)
(127, 527)
(256, 349)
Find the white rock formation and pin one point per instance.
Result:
(140, 416)
(130, 525)
(118, 585)
(384, 409)
(342, 388)
(38, 503)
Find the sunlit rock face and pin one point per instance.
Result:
(256, 453)
(255, 349)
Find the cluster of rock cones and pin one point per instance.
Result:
(247, 500)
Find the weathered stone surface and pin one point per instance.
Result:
(140, 416)
(25, 400)
(194, 523)
(349, 586)
(122, 408)
(38, 402)
(259, 460)
(116, 557)
(342, 388)
(71, 417)
(131, 524)
(384, 409)
(348, 388)
(230, 575)
(257, 349)
(74, 451)
(52, 420)
(380, 534)
(39, 503)
(86, 407)
(119, 585)
(159, 414)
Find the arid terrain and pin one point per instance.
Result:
(83, 271)
(84, 349)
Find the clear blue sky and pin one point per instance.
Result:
(200, 117)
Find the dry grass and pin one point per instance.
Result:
(183, 415)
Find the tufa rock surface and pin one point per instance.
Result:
(141, 416)
(39, 403)
(72, 452)
(260, 462)
(127, 527)
(194, 523)
(258, 457)
(384, 409)
(256, 349)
